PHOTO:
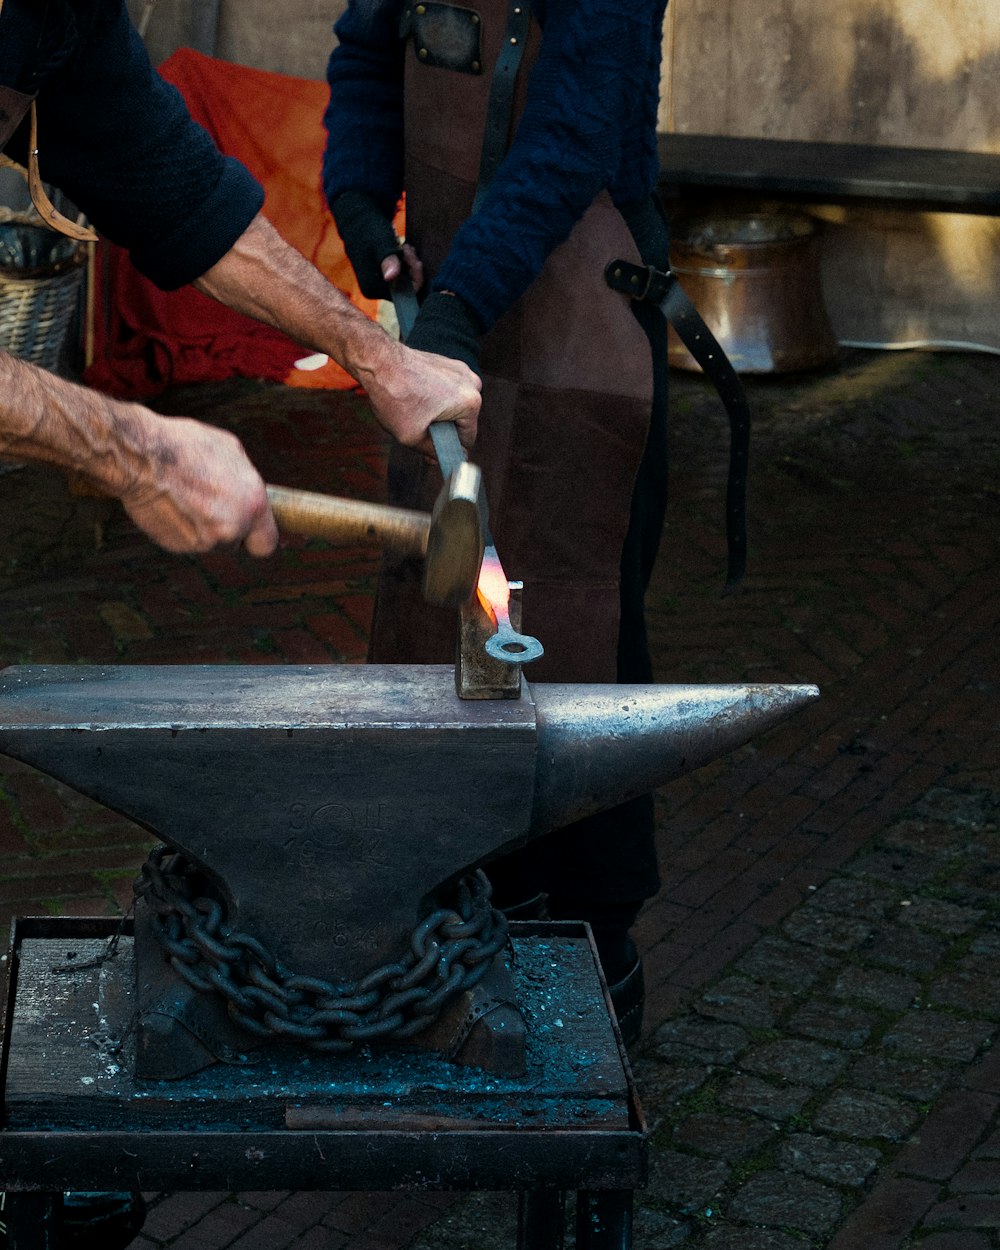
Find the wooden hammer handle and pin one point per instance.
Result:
(350, 520)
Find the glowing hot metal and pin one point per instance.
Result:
(494, 594)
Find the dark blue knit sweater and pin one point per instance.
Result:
(589, 124)
(119, 141)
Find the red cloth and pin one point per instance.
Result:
(146, 339)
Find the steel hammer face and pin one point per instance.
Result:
(456, 540)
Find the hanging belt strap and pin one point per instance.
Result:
(662, 289)
(500, 107)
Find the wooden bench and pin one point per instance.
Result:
(926, 179)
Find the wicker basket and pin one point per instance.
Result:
(40, 278)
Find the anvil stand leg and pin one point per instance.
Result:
(541, 1218)
(31, 1221)
(604, 1219)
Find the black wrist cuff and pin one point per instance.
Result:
(368, 237)
(447, 326)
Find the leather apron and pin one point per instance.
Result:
(567, 389)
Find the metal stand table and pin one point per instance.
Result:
(75, 1118)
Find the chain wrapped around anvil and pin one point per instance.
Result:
(450, 951)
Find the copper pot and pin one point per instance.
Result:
(756, 281)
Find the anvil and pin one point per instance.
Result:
(332, 803)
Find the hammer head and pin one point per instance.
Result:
(456, 540)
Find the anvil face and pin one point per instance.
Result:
(329, 801)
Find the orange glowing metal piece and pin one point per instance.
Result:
(493, 588)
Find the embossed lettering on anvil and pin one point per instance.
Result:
(355, 831)
(335, 934)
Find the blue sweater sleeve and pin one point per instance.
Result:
(121, 143)
(364, 117)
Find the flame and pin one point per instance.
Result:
(493, 588)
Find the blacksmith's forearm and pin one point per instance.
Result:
(266, 278)
(47, 419)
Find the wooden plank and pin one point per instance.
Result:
(894, 72)
(925, 178)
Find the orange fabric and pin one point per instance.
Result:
(146, 339)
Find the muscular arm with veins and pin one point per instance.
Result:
(264, 277)
(187, 485)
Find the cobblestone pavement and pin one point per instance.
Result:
(818, 1067)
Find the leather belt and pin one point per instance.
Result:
(644, 282)
(500, 107)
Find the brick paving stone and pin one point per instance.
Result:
(774, 960)
(790, 1059)
(840, 1163)
(727, 1137)
(831, 933)
(941, 916)
(479, 1221)
(987, 943)
(964, 1240)
(271, 1233)
(968, 1211)
(775, 1102)
(887, 990)
(695, 1040)
(865, 1114)
(912, 1079)
(686, 1181)
(837, 1023)
(990, 1148)
(777, 1199)
(321, 1239)
(885, 1219)
(906, 949)
(170, 1214)
(663, 1085)
(220, 1226)
(744, 1002)
(985, 1074)
(264, 1199)
(870, 900)
(357, 1212)
(939, 1036)
(978, 1177)
(743, 1238)
(952, 1129)
(897, 865)
(973, 987)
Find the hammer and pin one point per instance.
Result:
(449, 539)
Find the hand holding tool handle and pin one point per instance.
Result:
(444, 434)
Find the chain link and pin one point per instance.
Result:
(449, 951)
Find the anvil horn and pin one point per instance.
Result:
(602, 745)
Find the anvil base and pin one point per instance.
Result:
(78, 1118)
